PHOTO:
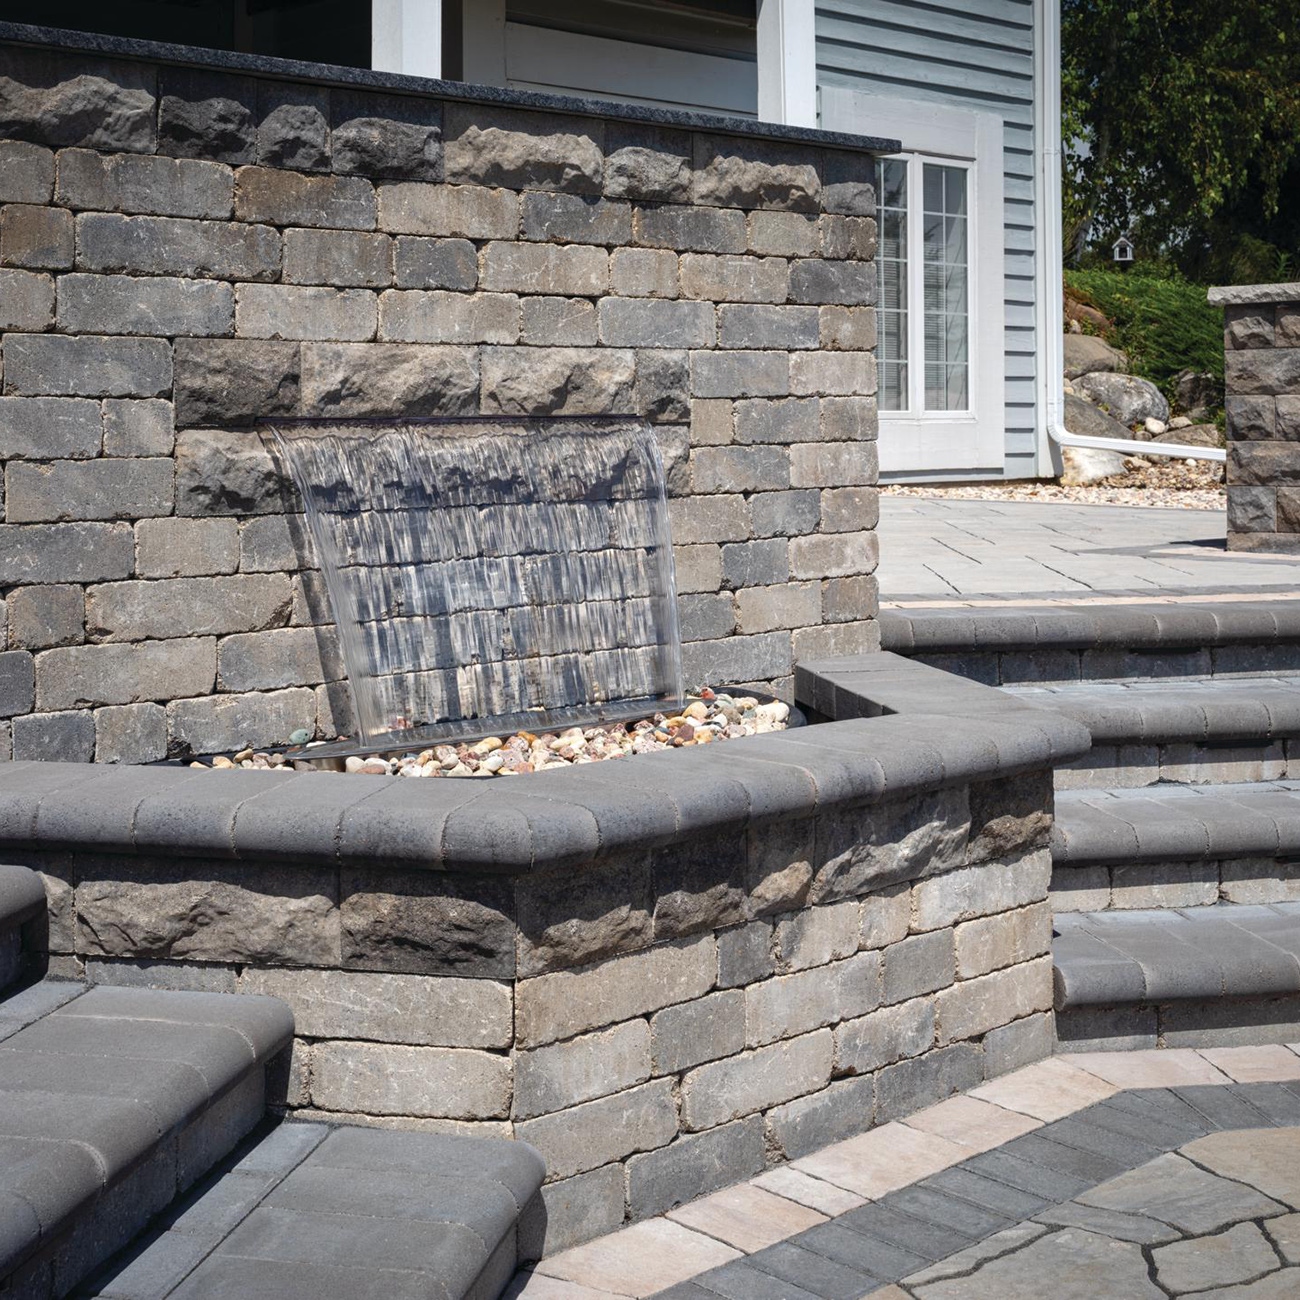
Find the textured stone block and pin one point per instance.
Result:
(545, 268)
(848, 329)
(224, 724)
(234, 380)
(643, 273)
(833, 555)
(919, 964)
(572, 1211)
(464, 211)
(973, 1007)
(647, 162)
(82, 552)
(835, 374)
(694, 1032)
(388, 1079)
(97, 489)
(809, 1123)
(1006, 939)
(706, 617)
(54, 737)
(272, 543)
(755, 564)
(162, 306)
(383, 135)
(338, 257)
(651, 323)
(764, 609)
(815, 936)
(178, 187)
(271, 311)
(687, 229)
(293, 127)
(81, 676)
(740, 469)
(848, 600)
(134, 611)
(36, 237)
(662, 382)
(1250, 419)
(284, 198)
(740, 374)
(1263, 371)
(554, 1078)
(848, 237)
(564, 322)
(734, 278)
(598, 1132)
(389, 379)
(833, 464)
(225, 473)
(558, 381)
(756, 325)
(41, 617)
(1288, 413)
(699, 568)
(693, 1166)
(845, 188)
(26, 300)
(437, 316)
(733, 172)
(762, 658)
(1248, 327)
(522, 150)
(892, 1034)
(784, 234)
(576, 219)
(786, 420)
(134, 733)
(981, 890)
(795, 1004)
(721, 1091)
(107, 242)
(845, 284)
(96, 103)
(565, 1003)
(435, 263)
(51, 364)
(207, 115)
(783, 514)
(142, 428)
(847, 510)
(262, 661)
(47, 427)
(16, 682)
(849, 419)
(26, 172)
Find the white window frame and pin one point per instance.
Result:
(916, 440)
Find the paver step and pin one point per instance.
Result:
(1118, 958)
(22, 899)
(311, 1212)
(112, 1101)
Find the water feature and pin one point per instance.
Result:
(492, 575)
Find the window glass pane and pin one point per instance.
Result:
(891, 266)
(946, 279)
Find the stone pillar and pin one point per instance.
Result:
(1261, 341)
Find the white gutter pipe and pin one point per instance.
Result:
(1048, 123)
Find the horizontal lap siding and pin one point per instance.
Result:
(979, 56)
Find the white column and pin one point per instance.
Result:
(485, 42)
(787, 62)
(406, 36)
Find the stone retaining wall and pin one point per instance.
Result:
(1261, 341)
(184, 249)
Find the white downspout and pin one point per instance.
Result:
(1048, 123)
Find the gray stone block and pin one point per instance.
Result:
(17, 678)
(765, 609)
(44, 616)
(845, 284)
(733, 172)
(390, 379)
(545, 268)
(852, 238)
(572, 1211)
(848, 329)
(795, 1004)
(222, 381)
(99, 489)
(155, 305)
(691, 1033)
(44, 428)
(784, 234)
(176, 246)
(838, 374)
(383, 135)
(706, 616)
(437, 316)
(647, 162)
(787, 420)
(226, 723)
(50, 553)
(846, 510)
(293, 127)
(755, 564)
(694, 1165)
(724, 1090)
(655, 323)
(807, 1124)
(745, 955)
(80, 676)
(762, 658)
(558, 381)
(270, 311)
(522, 150)
(554, 1078)
(740, 374)
(1250, 419)
(144, 428)
(1006, 939)
(844, 189)
(643, 273)
(133, 733)
(973, 1007)
(1011, 1047)
(28, 172)
(833, 555)
(207, 115)
(917, 965)
(284, 198)
(784, 514)
(54, 737)
(758, 325)
(740, 469)
(36, 237)
(599, 1132)
(87, 367)
(690, 229)
(463, 211)
(229, 473)
(338, 257)
(849, 419)
(884, 1037)
(1262, 371)
(133, 611)
(178, 187)
(817, 935)
(26, 300)
(735, 278)
(912, 1085)
(576, 219)
(435, 263)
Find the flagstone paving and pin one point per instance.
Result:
(1158, 1173)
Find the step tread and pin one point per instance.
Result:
(1226, 950)
(93, 1081)
(1216, 710)
(1176, 823)
(337, 1214)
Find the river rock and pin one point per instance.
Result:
(1086, 353)
(1129, 399)
(1196, 391)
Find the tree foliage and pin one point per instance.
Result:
(1182, 126)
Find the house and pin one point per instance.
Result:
(969, 306)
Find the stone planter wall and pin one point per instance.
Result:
(185, 248)
(1261, 341)
(663, 984)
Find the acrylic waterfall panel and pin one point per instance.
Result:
(492, 574)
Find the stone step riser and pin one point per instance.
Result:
(1175, 884)
(1131, 766)
(1223, 1022)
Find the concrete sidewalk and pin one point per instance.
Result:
(935, 551)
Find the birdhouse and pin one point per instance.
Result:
(1122, 250)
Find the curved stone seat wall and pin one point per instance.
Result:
(664, 977)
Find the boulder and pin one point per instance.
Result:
(1086, 353)
(1091, 421)
(1081, 314)
(1129, 399)
(1193, 435)
(1194, 390)
(1084, 465)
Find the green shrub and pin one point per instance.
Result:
(1163, 323)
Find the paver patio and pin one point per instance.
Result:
(1125, 1174)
